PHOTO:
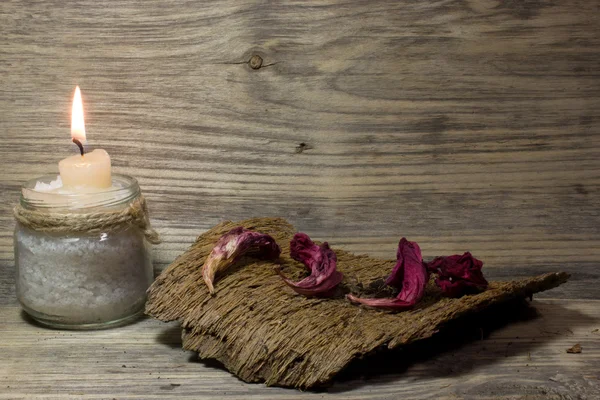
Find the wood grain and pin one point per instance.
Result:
(463, 125)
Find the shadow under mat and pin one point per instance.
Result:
(456, 349)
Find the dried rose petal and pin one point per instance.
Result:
(409, 274)
(231, 246)
(458, 274)
(320, 261)
(385, 303)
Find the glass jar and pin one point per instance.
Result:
(82, 280)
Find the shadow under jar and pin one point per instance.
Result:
(84, 278)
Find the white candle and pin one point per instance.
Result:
(83, 172)
(91, 170)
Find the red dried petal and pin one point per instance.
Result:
(456, 288)
(231, 246)
(409, 274)
(321, 261)
(458, 274)
(407, 252)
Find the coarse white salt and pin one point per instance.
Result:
(46, 187)
(81, 279)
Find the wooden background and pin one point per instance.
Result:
(463, 125)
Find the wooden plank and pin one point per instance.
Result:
(467, 125)
(526, 359)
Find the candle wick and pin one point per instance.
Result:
(78, 143)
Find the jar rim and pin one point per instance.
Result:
(123, 190)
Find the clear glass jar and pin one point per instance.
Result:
(75, 280)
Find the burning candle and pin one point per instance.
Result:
(83, 171)
(81, 241)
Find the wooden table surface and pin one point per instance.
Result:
(463, 125)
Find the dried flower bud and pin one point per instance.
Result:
(231, 246)
(320, 261)
(409, 275)
(458, 274)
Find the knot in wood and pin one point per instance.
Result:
(255, 61)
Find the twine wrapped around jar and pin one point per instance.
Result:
(135, 214)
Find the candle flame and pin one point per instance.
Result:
(77, 123)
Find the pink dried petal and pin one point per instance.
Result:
(308, 286)
(458, 274)
(385, 303)
(321, 261)
(231, 246)
(409, 274)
